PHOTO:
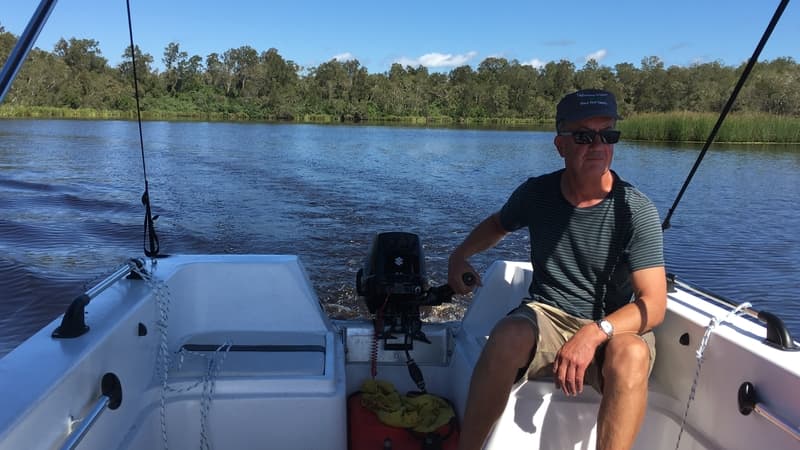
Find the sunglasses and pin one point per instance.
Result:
(587, 136)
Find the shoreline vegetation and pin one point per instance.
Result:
(659, 103)
(684, 127)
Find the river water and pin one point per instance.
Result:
(71, 212)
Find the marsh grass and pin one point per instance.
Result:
(696, 127)
(47, 112)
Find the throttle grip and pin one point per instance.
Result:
(468, 278)
(442, 294)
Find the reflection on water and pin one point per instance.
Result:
(70, 195)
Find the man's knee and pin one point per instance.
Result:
(627, 357)
(512, 339)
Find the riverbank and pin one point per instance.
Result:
(651, 127)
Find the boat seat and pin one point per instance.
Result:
(265, 385)
(508, 282)
(261, 364)
(255, 354)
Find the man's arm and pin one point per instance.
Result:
(649, 307)
(484, 236)
(637, 317)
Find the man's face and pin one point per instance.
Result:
(590, 159)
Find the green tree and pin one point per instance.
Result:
(594, 76)
(523, 91)
(774, 89)
(146, 78)
(558, 78)
(278, 85)
(241, 65)
(339, 88)
(651, 90)
(465, 93)
(247, 83)
(174, 60)
(7, 42)
(437, 93)
(627, 80)
(91, 84)
(493, 79)
(81, 55)
(40, 81)
(216, 74)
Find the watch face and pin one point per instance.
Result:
(606, 327)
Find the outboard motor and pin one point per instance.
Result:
(393, 286)
(394, 275)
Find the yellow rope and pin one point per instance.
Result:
(423, 413)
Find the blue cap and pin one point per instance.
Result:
(586, 103)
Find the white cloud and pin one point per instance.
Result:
(535, 63)
(346, 56)
(438, 60)
(597, 56)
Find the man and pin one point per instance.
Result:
(598, 289)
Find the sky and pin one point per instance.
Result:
(438, 34)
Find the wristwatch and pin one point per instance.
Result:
(606, 326)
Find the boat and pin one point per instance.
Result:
(236, 352)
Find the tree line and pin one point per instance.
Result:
(244, 83)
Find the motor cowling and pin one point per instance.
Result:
(393, 276)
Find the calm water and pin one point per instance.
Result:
(70, 201)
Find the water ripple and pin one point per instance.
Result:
(70, 195)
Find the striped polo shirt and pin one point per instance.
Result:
(582, 257)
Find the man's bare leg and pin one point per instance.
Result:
(508, 348)
(622, 410)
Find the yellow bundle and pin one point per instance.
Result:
(423, 413)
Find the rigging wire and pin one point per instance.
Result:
(750, 63)
(151, 245)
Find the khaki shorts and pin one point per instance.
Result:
(554, 327)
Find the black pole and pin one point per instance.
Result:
(24, 45)
(151, 245)
(750, 63)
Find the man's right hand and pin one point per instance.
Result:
(486, 235)
(457, 266)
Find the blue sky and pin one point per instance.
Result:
(438, 34)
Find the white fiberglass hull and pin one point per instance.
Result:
(288, 370)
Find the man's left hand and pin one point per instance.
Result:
(575, 356)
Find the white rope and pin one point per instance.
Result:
(715, 321)
(162, 295)
(214, 364)
(164, 362)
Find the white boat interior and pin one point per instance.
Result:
(236, 352)
(252, 361)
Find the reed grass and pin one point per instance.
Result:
(696, 127)
(47, 112)
(504, 122)
(44, 112)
